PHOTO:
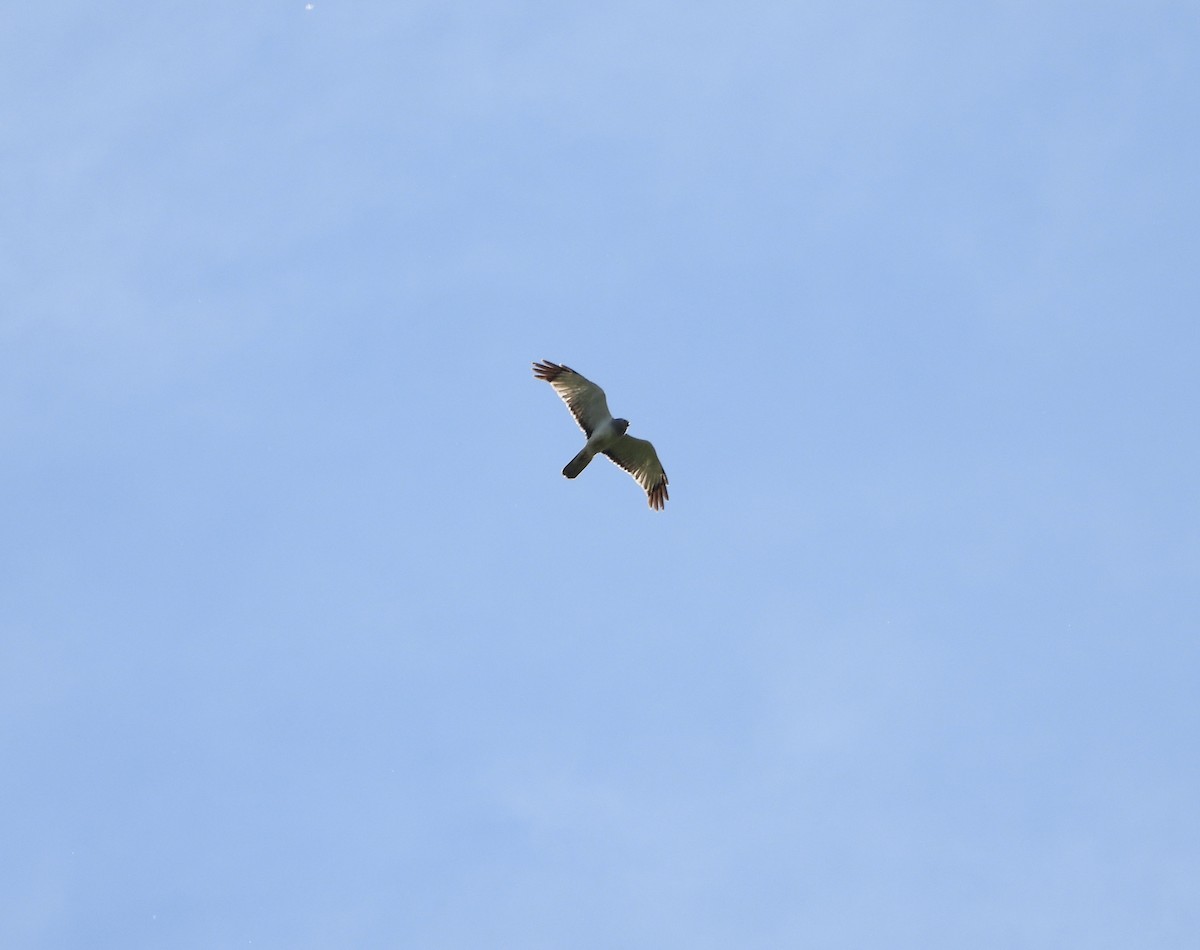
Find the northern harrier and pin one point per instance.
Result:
(605, 435)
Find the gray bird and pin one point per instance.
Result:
(605, 435)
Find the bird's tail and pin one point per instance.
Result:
(578, 463)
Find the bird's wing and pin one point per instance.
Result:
(638, 458)
(583, 397)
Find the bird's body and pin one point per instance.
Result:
(605, 435)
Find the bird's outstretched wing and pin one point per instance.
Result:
(638, 458)
(583, 397)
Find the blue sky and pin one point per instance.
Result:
(304, 640)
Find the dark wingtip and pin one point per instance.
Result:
(549, 371)
(658, 496)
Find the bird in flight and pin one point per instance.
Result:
(605, 435)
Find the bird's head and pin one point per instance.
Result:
(621, 424)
